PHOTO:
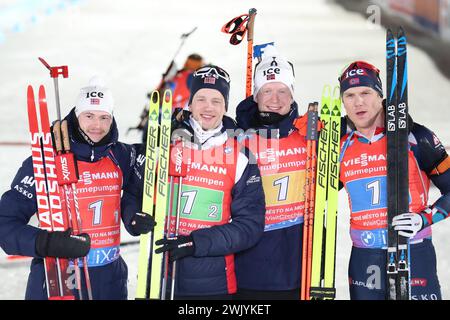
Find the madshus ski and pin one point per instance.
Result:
(51, 213)
(326, 198)
(398, 282)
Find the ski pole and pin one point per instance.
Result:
(250, 27)
(180, 170)
(167, 226)
(67, 165)
(144, 113)
(311, 161)
(66, 147)
(54, 73)
(59, 148)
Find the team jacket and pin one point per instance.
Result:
(222, 209)
(104, 171)
(363, 173)
(275, 262)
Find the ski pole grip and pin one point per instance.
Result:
(57, 136)
(313, 119)
(65, 136)
(66, 163)
(251, 22)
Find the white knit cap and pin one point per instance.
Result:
(94, 97)
(273, 68)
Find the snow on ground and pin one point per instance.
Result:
(131, 44)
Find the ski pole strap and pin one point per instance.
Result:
(318, 293)
(237, 27)
(177, 168)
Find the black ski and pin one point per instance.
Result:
(398, 284)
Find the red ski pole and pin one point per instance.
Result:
(311, 162)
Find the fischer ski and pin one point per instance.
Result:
(326, 202)
(150, 268)
(162, 193)
(51, 214)
(398, 282)
(148, 199)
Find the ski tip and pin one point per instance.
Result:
(167, 95)
(154, 97)
(337, 92)
(42, 93)
(326, 91)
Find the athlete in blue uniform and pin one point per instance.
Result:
(272, 268)
(224, 211)
(363, 173)
(105, 166)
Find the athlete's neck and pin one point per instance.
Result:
(369, 131)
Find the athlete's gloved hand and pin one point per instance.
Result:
(407, 224)
(178, 248)
(180, 125)
(62, 244)
(142, 223)
(301, 124)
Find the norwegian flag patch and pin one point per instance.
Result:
(210, 80)
(95, 101)
(354, 81)
(271, 76)
(436, 140)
